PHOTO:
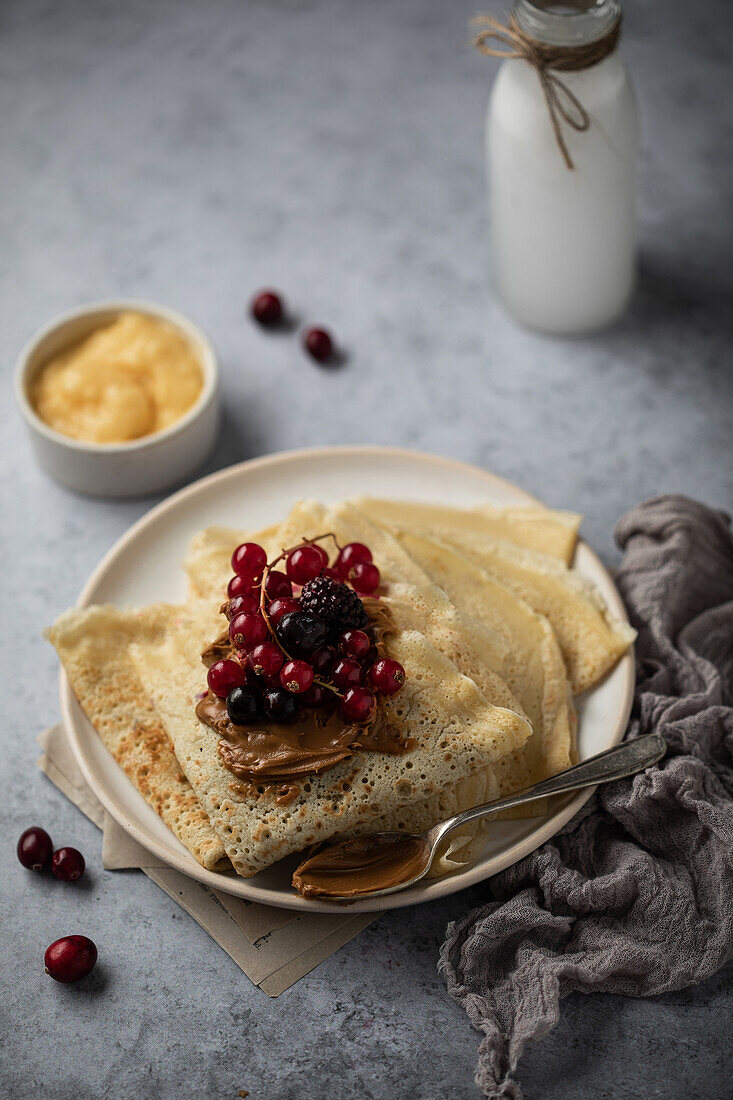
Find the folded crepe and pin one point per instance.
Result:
(534, 528)
(590, 638)
(457, 734)
(93, 644)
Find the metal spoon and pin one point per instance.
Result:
(616, 763)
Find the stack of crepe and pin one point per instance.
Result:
(497, 635)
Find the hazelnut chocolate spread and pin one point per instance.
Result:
(283, 756)
(358, 866)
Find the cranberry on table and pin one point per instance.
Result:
(318, 344)
(35, 848)
(358, 705)
(70, 959)
(305, 563)
(386, 676)
(296, 677)
(224, 676)
(249, 560)
(267, 308)
(67, 864)
(365, 578)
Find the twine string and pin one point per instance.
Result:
(562, 104)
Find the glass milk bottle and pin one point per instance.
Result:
(562, 199)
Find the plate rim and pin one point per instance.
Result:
(237, 886)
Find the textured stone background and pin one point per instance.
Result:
(192, 152)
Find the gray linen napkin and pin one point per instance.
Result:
(635, 896)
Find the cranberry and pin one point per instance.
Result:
(248, 560)
(365, 578)
(296, 677)
(283, 605)
(67, 864)
(266, 659)
(225, 675)
(305, 563)
(239, 604)
(241, 586)
(70, 959)
(354, 643)
(247, 630)
(267, 308)
(354, 553)
(347, 673)
(318, 343)
(323, 660)
(35, 848)
(332, 573)
(358, 705)
(386, 676)
(277, 584)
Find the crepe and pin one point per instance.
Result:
(590, 638)
(93, 644)
(534, 528)
(457, 733)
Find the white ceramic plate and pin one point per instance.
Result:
(145, 566)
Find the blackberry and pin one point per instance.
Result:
(336, 603)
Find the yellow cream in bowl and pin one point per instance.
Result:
(128, 379)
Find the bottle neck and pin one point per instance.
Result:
(566, 22)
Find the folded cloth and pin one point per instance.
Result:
(635, 895)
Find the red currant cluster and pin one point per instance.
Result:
(301, 636)
(72, 957)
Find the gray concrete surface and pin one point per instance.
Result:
(191, 153)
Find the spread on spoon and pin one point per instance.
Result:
(358, 866)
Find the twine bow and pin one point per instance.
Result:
(562, 104)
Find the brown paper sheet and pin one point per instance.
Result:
(273, 947)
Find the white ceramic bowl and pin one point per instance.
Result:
(145, 465)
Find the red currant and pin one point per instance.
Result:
(247, 630)
(358, 705)
(281, 606)
(329, 571)
(306, 562)
(354, 643)
(315, 697)
(318, 343)
(267, 308)
(347, 673)
(365, 578)
(323, 660)
(296, 677)
(386, 676)
(239, 604)
(225, 675)
(354, 553)
(277, 584)
(266, 659)
(70, 959)
(35, 848)
(248, 560)
(241, 586)
(68, 864)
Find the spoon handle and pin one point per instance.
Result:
(616, 763)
